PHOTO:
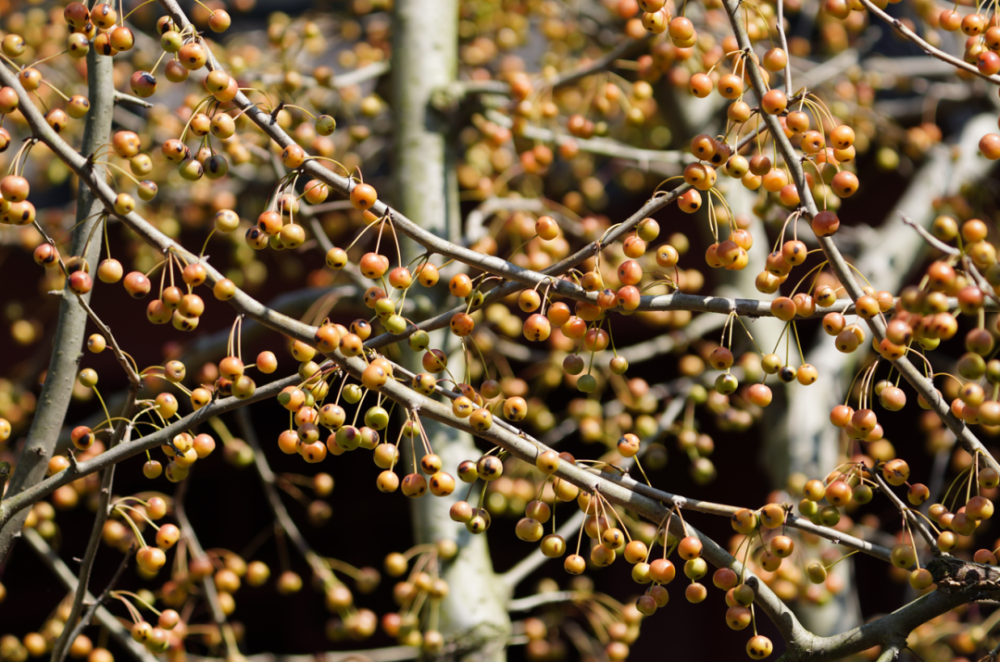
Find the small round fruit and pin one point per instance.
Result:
(759, 647)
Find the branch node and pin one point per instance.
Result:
(278, 109)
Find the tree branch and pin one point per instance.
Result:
(533, 601)
(837, 263)
(133, 377)
(208, 582)
(801, 523)
(15, 503)
(121, 97)
(602, 146)
(353, 77)
(928, 237)
(598, 65)
(784, 46)
(914, 521)
(64, 362)
(526, 448)
(535, 559)
(898, 624)
(930, 50)
(890, 652)
(121, 636)
(88, 616)
(458, 90)
(281, 516)
(122, 434)
(519, 445)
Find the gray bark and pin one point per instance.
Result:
(425, 58)
(68, 341)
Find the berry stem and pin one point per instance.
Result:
(135, 529)
(133, 612)
(134, 9)
(140, 514)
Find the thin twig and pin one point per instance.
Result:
(535, 559)
(355, 77)
(105, 330)
(666, 343)
(928, 237)
(281, 516)
(207, 583)
(533, 601)
(914, 521)
(902, 29)
(461, 89)
(784, 47)
(18, 502)
(121, 97)
(122, 434)
(88, 615)
(977, 277)
(121, 636)
(722, 510)
(890, 652)
(598, 65)
(602, 146)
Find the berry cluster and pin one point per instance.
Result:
(798, 153)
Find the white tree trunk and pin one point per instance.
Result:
(425, 58)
